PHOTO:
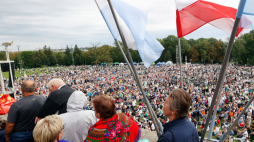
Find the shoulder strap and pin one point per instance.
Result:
(173, 136)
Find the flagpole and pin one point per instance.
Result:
(180, 60)
(135, 78)
(214, 115)
(224, 67)
(157, 125)
(236, 120)
(126, 60)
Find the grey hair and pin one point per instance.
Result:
(56, 81)
(28, 88)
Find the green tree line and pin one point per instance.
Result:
(201, 50)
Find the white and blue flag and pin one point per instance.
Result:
(133, 23)
(246, 13)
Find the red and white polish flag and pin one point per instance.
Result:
(193, 14)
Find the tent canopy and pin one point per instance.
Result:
(169, 63)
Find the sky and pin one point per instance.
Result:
(31, 24)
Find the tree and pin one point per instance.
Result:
(77, 59)
(104, 54)
(94, 47)
(211, 51)
(76, 51)
(212, 40)
(169, 44)
(11, 55)
(135, 55)
(249, 38)
(26, 57)
(37, 62)
(239, 51)
(203, 46)
(52, 60)
(2, 55)
(194, 54)
(116, 54)
(185, 47)
(219, 51)
(192, 42)
(68, 51)
(66, 60)
(167, 56)
(60, 58)
(16, 61)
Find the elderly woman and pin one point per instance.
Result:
(111, 127)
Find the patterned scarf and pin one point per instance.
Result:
(118, 128)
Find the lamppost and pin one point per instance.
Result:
(72, 56)
(212, 61)
(20, 61)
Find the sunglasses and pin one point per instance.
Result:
(171, 95)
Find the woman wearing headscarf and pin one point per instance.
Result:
(111, 127)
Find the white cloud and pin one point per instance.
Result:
(33, 24)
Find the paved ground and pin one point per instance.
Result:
(150, 135)
(4, 116)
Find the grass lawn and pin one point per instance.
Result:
(214, 137)
(17, 74)
(206, 135)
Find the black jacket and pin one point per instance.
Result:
(57, 101)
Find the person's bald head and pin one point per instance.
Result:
(28, 86)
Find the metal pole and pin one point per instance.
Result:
(215, 111)
(177, 54)
(20, 62)
(222, 74)
(8, 60)
(180, 60)
(236, 120)
(126, 60)
(72, 56)
(135, 77)
(214, 115)
(159, 130)
(2, 80)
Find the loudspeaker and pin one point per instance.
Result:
(5, 67)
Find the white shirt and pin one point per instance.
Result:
(61, 87)
(152, 126)
(245, 133)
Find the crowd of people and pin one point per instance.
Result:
(158, 82)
